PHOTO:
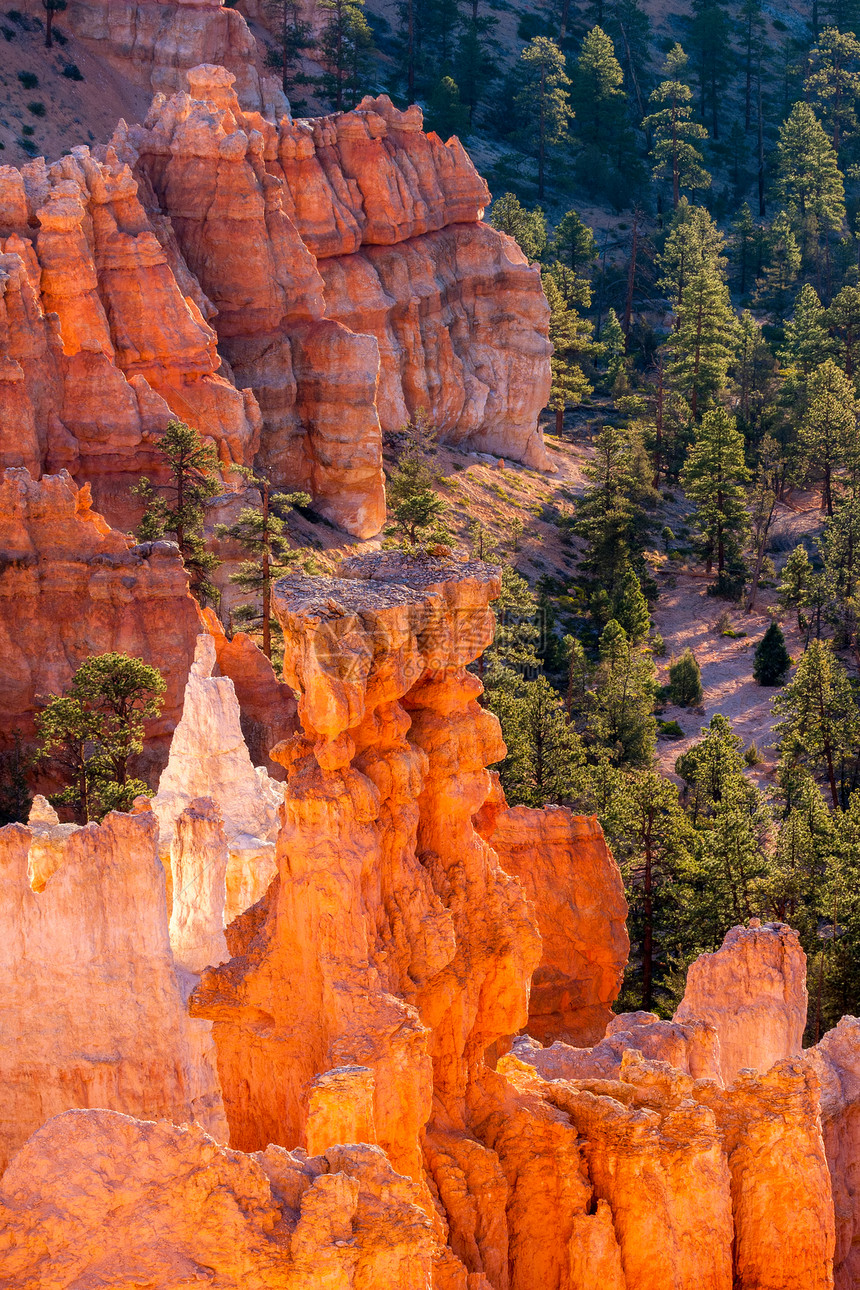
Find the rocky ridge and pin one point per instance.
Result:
(371, 997)
(242, 275)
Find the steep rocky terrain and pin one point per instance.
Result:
(213, 266)
(327, 1011)
(370, 996)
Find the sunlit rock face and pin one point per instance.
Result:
(289, 288)
(356, 1035)
(71, 586)
(568, 872)
(753, 992)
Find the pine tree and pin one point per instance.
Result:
(598, 97)
(192, 467)
(543, 101)
(754, 32)
(415, 506)
(52, 8)
(795, 586)
(262, 533)
(843, 317)
(710, 34)
(714, 478)
(685, 680)
(621, 724)
(611, 517)
(294, 38)
(775, 286)
(517, 638)
(694, 243)
(829, 425)
(832, 85)
(526, 227)
(629, 607)
(772, 659)
(545, 758)
(91, 733)
(573, 244)
(345, 46)
(476, 65)
(675, 134)
(821, 724)
(744, 234)
(446, 113)
(613, 346)
(704, 342)
(806, 344)
(570, 335)
(652, 841)
(808, 181)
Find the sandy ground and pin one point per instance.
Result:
(687, 617)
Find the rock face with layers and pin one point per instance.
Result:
(70, 586)
(289, 289)
(209, 758)
(568, 872)
(97, 1198)
(836, 1060)
(753, 992)
(372, 919)
(267, 705)
(93, 1011)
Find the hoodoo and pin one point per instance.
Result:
(429, 625)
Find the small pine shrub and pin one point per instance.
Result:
(28, 130)
(752, 756)
(38, 109)
(669, 730)
(772, 659)
(28, 79)
(8, 33)
(658, 645)
(72, 72)
(685, 681)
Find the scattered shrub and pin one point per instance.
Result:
(28, 130)
(72, 72)
(658, 645)
(8, 33)
(685, 681)
(752, 756)
(669, 730)
(28, 79)
(772, 659)
(38, 109)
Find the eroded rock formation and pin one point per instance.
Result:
(372, 993)
(209, 759)
(753, 992)
(99, 1198)
(70, 586)
(567, 871)
(288, 289)
(93, 1011)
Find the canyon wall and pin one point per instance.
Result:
(71, 586)
(567, 871)
(372, 995)
(290, 289)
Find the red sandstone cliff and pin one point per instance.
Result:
(71, 586)
(212, 265)
(370, 995)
